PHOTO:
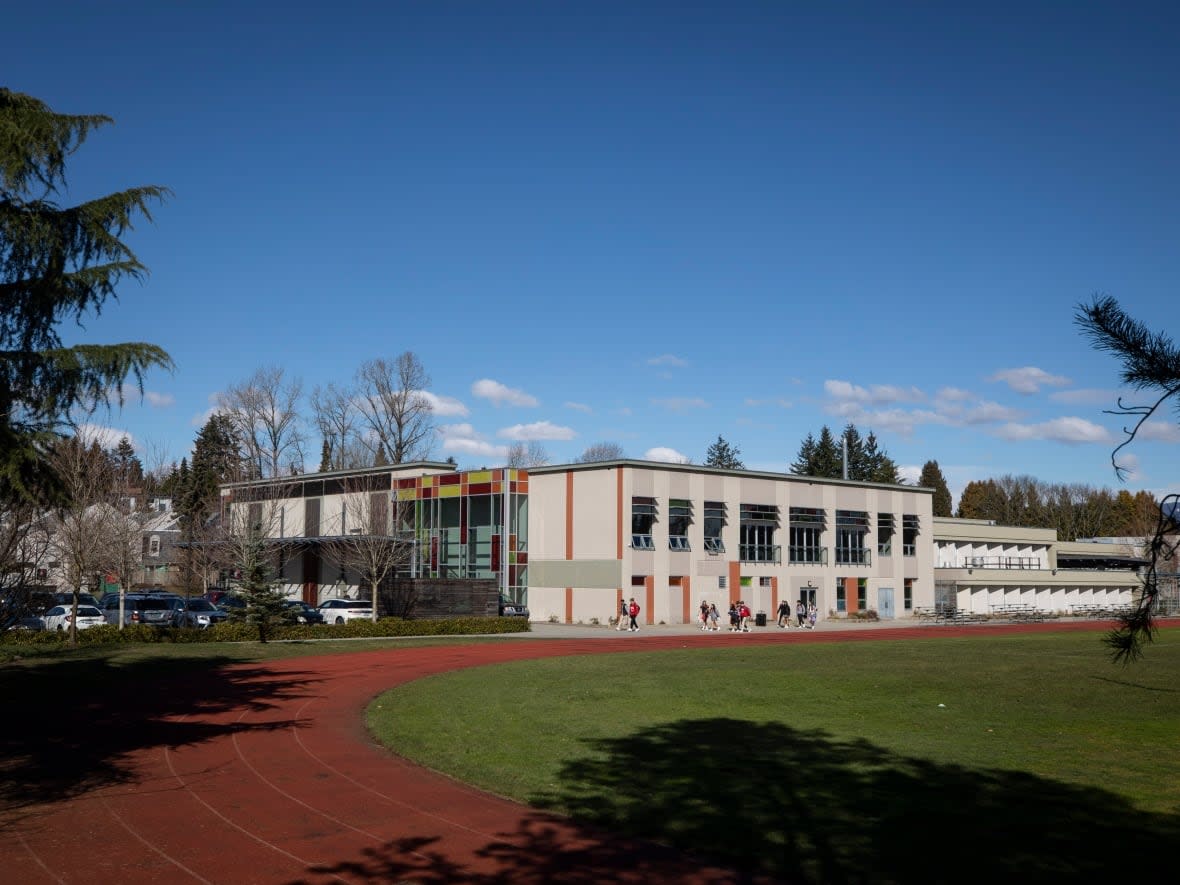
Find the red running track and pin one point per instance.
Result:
(267, 775)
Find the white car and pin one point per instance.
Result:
(339, 611)
(58, 617)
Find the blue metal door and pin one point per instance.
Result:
(885, 603)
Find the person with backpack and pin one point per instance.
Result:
(744, 615)
(633, 612)
(801, 611)
(704, 615)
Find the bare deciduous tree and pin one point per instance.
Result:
(393, 409)
(366, 542)
(264, 410)
(24, 546)
(531, 455)
(90, 531)
(602, 451)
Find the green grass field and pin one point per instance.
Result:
(935, 760)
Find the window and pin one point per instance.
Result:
(643, 517)
(154, 546)
(851, 528)
(714, 523)
(862, 594)
(805, 535)
(679, 519)
(721, 582)
(639, 580)
(764, 582)
(885, 533)
(841, 602)
(907, 595)
(909, 534)
(757, 524)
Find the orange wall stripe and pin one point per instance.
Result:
(735, 581)
(649, 584)
(569, 605)
(686, 593)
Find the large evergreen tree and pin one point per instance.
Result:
(722, 454)
(932, 478)
(825, 457)
(57, 264)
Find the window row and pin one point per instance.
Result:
(759, 523)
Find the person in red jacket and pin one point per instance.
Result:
(633, 611)
(744, 614)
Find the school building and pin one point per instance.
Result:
(572, 540)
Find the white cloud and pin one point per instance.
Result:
(665, 455)
(579, 407)
(681, 404)
(537, 430)
(475, 447)
(953, 394)
(1029, 379)
(130, 394)
(462, 438)
(668, 359)
(499, 394)
(1159, 432)
(989, 413)
(1065, 430)
(1085, 396)
(877, 394)
(445, 406)
(107, 437)
(909, 473)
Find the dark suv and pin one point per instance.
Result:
(510, 609)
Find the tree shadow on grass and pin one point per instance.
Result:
(73, 726)
(771, 803)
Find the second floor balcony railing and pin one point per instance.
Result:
(1004, 562)
(808, 554)
(857, 556)
(761, 553)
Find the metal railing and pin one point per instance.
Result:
(760, 553)
(805, 554)
(853, 557)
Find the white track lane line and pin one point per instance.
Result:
(299, 860)
(398, 802)
(154, 848)
(48, 872)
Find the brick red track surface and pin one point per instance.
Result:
(282, 784)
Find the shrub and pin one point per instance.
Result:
(245, 632)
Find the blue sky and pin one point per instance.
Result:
(644, 223)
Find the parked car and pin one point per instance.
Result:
(510, 609)
(137, 609)
(304, 613)
(228, 601)
(201, 613)
(84, 598)
(59, 617)
(339, 611)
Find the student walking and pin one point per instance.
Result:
(714, 617)
(801, 613)
(812, 614)
(744, 615)
(633, 613)
(704, 615)
(784, 614)
(623, 614)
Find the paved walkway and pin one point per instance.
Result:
(264, 773)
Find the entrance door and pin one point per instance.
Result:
(807, 594)
(885, 603)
